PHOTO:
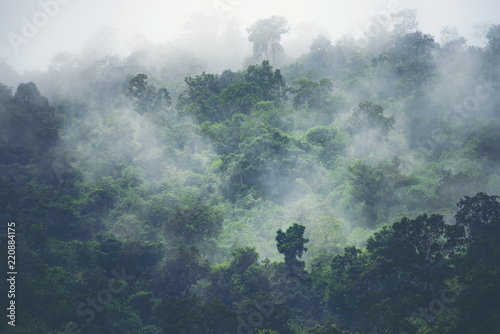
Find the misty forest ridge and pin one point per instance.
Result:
(352, 189)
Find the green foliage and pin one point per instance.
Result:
(146, 97)
(291, 244)
(192, 211)
(372, 186)
(332, 329)
(329, 140)
(482, 144)
(241, 278)
(369, 183)
(241, 96)
(266, 331)
(191, 315)
(181, 271)
(270, 83)
(315, 95)
(479, 214)
(329, 239)
(368, 116)
(28, 124)
(201, 97)
(194, 222)
(265, 154)
(411, 61)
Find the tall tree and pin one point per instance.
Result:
(265, 35)
(291, 244)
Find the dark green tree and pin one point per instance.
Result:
(194, 222)
(28, 124)
(271, 83)
(241, 278)
(180, 272)
(291, 244)
(331, 329)
(201, 97)
(194, 315)
(478, 215)
(476, 306)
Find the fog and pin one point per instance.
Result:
(177, 139)
(70, 24)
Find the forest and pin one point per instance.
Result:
(351, 190)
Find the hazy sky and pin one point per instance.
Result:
(30, 35)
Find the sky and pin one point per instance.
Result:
(33, 31)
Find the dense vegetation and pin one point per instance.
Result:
(311, 195)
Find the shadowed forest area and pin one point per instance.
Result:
(352, 189)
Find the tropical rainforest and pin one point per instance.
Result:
(353, 189)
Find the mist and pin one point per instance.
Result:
(87, 70)
(190, 135)
(67, 25)
(93, 70)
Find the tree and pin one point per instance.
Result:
(317, 96)
(321, 56)
(493, 37)
(291, 244)
(328, 140)
(422, 247)
(265, 35)
(271, 84)
(478, 215)
(414, 46)
(180, 272)
(241, 97)
(331, 329)
(369, 116)
(194, 222)
(450, 39)
(476, 307)
(193, 315)
(28, 124)
(239, 279)
(263, 164)
(5, 94)
(321, 46)
(412, 60)
(351, 286)
(146, 97)
(374, 186)
(201, 97)
(405, 22)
